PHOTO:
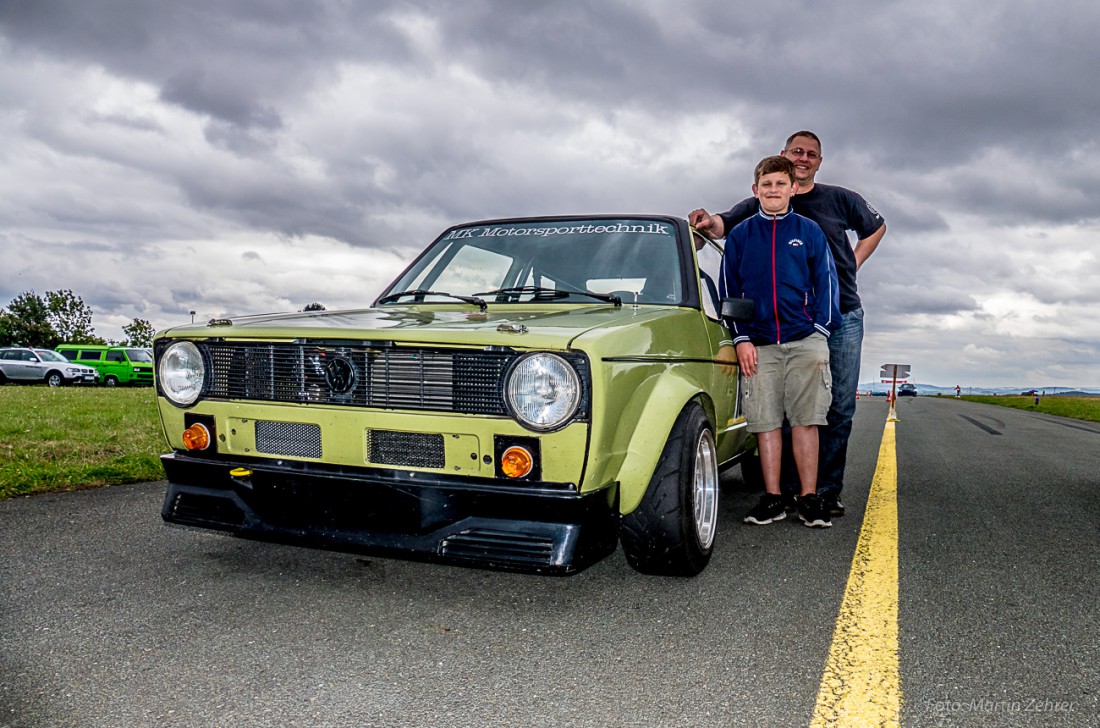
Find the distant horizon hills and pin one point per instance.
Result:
(880, 388)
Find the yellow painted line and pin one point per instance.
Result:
(861, 685)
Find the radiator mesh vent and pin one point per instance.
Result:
(405, 449)
(288, 438)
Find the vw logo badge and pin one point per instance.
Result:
(340, 375)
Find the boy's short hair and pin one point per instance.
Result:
(776, 163)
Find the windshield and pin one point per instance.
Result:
(637, 260)
(48, 355)
(139, 355)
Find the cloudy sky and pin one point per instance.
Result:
(243, 156)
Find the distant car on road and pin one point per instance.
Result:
(21, 364)
(1030, 393)
(907, 390)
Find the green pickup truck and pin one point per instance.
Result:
(528, 394)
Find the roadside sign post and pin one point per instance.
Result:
(894, 373)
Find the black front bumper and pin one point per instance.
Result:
(529, 527)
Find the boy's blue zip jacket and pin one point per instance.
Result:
(783, 263)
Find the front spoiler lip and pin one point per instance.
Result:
(542, 529)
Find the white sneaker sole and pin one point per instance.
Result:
(753, 521)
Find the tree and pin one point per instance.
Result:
(314, 307)
(6, 336)
(139, 332)
(27, 322)
(70, 317)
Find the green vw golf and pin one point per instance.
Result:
(526, 395)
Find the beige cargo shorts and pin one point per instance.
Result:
(792, 379)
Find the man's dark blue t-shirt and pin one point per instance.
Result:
(836, 210)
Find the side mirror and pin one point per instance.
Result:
(738, 309)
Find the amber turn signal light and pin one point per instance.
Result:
(516, 462)
(196, 437)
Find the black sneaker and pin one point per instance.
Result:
(831, 504)
(811, 512)
(769, 509)
(790, 502)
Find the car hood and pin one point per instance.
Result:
(530, 326)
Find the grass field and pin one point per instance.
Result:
(68, 438)
(1079, 408)
(72, 437)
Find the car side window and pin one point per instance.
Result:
(89, 356)
(28, 356)
(710, 264)
(115, 356)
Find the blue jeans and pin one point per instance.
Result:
(845, 346)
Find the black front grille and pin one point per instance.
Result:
(390, 377)
(292, 439)
(406, 449)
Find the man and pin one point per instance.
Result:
(837, 210)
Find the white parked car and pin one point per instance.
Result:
(19, 364)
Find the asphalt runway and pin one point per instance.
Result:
(109, 617)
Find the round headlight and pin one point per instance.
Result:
(180, 372)
(543, 391)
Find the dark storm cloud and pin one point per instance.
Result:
(135, 128)
(913, 299)
(194, 90)
(230, 60)
(947, 79)
(933, 87)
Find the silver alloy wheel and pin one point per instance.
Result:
(705, 487)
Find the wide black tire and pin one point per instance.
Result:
(671, 533)
(54, 379)
(111, 381)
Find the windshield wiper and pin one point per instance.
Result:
(418, 295)
(540, 292)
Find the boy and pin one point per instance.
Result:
(782, 262)
(839, 211)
